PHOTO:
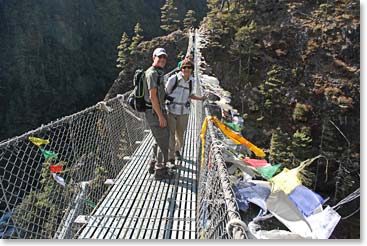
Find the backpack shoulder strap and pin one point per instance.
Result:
(175, 85)
(159, 76)
(190, 86)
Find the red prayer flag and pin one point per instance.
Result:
(55, 169)
(255, 162)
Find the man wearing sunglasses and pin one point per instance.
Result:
(179, 91)
(157, 116)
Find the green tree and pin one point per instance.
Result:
(169, 17)
(274, 91)
(123, 51)
(301, 112)
(190, 19)
(136, 39)
(301, 144)
(36, 215)
(243, 46)
(280, 148)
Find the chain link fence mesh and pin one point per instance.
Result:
(91, 147)
(217, 209)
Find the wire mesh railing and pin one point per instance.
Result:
(51, 175)
(217, 209)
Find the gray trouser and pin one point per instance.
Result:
(161, 136)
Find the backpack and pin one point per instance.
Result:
(136, 98)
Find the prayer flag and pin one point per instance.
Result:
(48, 154)
(269, 171)
(56, 169)
(324, 223)
(249, 192)
(58, 179)
(305, 199)
(235, 127)
(89, 203)
(238, 139)
(255, 162)
(5, 217)
(286, 181)
(202, 137)
(38, 141)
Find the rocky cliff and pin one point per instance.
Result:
(293, 68)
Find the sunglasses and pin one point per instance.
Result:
(187, 67)
(162, 56)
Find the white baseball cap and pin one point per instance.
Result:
(159, 51)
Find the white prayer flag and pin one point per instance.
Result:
(58, 179)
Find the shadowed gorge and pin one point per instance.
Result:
(58, 57)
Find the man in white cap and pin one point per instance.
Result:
(157, 115)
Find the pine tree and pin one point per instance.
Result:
(243, 46)
(189, 20)
(136, 39)
(280, 151)
(213, 5)
(123, 51)
(45, 206)
(274, 91)
(301, 112)
(301, 144)
(169, 17)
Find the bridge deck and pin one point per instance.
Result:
(139, 207)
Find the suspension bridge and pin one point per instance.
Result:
(99, 186)
(104, 190)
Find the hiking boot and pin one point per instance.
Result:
(178, 155)
(163, 174)
(151, 166)
(171, 164)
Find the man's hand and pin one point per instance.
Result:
(162, 122)
(153, 94)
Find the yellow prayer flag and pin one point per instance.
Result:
(202, 137)
(238, 139)
(38, 141)
(286, 181)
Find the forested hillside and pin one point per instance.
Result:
(58, 56)
(293, 70)
(292, 66)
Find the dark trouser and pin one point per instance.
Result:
(161, 136)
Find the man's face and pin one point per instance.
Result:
(160, 61)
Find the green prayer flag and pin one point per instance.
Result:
(48, 154)
(235, 127)
(92, 204)
(269, 171)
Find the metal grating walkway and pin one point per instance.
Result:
(139, 207)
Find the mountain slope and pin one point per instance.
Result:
(293, 70)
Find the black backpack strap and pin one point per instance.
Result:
(175, 85)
